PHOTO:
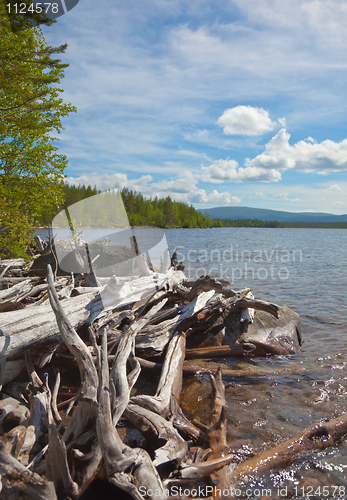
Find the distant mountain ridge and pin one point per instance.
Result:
(264, 214)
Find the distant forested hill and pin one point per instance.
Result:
(262, 214)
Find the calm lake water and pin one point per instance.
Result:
(306, 270)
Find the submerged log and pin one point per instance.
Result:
(221, 351)
(317, 436)
(216, 433)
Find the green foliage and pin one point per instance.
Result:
(31, 110)
(274, 223)
(161, 212)
(247, 223)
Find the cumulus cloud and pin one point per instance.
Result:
(304, 155)
(245, 120)
(227, 171)
(184, 183)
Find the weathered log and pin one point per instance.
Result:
(38, 419)
(157, 429)
(57, 469)
(55, 411)
(28, 445)
(13, 298)
(221, 351)
(247, 315)
(15, 439)
(127, 468)
(12, 408)
(6, 264)
(89, 376)
(142, 417)
(261, 305)
(9, 370)
(164, 402)
(152, 339)
(35, 326)
(121, 382)
(18, 326)
(84, 415)
(204, 284)
(18, 482)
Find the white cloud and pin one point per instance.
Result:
(142, 84)
(182, 188)
(285, 196)
(304, 156)
(185, 183)
(335, 187)
(110, 181)
(228, 171)
(315, 197)
(245, 120)
(214, 198)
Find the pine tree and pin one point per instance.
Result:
(30, 110)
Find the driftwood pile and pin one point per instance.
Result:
(55, 447)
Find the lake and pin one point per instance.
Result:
(306, 270)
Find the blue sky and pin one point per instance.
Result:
(213, 102)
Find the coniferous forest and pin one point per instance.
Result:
(165, 212)
(159, 212)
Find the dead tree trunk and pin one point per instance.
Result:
(84, 417)
(129, 469)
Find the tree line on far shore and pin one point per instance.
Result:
(141, 211)
(168, 213)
